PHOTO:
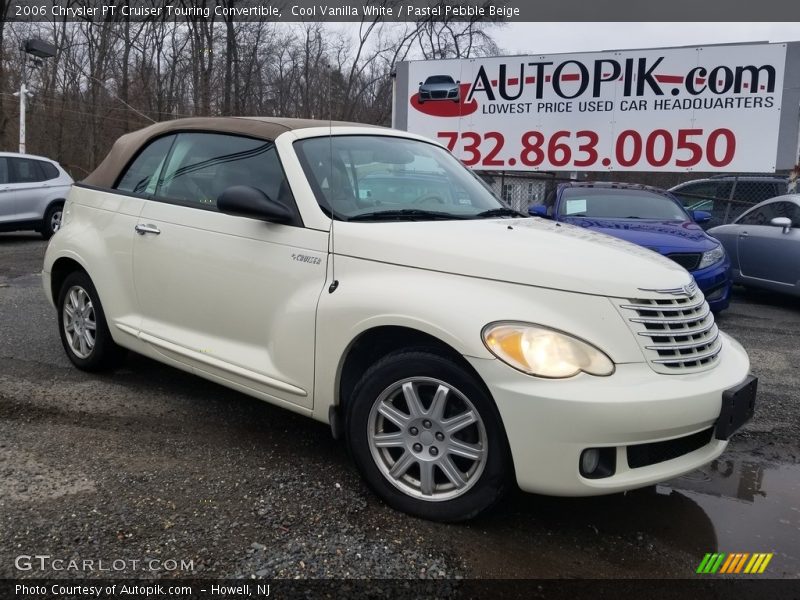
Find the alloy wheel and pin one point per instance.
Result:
(427, 439)
(80, 325)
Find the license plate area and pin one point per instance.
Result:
(738, 406)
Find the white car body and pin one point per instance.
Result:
(272, 328)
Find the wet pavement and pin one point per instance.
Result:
(151, 461)
(751, 507)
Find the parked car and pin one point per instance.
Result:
(652, 218)
(438, 87)
(728, 196)
(32, 193)
(241, 250)
(764, 245)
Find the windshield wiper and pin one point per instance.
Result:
(403, 213)
(499, 212)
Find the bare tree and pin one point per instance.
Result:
(114, 75)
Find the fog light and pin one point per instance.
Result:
(590, 459)
(597, 463)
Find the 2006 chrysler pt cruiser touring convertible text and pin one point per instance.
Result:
(361, 276)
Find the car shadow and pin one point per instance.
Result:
(751, 295)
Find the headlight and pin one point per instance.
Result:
(712, 256)
(544, 352)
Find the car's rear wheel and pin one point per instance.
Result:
(52, 220)
(82, 325)
(427, 437)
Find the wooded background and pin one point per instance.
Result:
(113, 76)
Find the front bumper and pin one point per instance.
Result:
(715, 283)
(550, 422)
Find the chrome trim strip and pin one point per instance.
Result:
(674, 332)
(693, 358)
(666, 320)
(222, 365)
(664, 307)
(687, 290)
(703, 342)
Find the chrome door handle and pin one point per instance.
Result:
(142, 229)
(744, 234)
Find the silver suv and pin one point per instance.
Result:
(32, 193)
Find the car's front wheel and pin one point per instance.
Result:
(427, 437)
(52, 220)
(82, 325)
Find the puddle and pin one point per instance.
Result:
(752, 508)
(660, 531)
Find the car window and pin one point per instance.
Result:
(362, 176)
(762, 215)
(433, 79)
(3, 170)
(550, 202)
(619, 204)
(140, 177)
(25, 170)
(693, 195)
(203, 165)
(48, 169)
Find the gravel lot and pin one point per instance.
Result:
(152, 463)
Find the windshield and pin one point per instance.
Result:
(439, 79)
(364, 176)
(619, 203)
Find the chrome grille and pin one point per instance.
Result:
(677, 335)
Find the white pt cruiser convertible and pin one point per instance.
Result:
(363, 277)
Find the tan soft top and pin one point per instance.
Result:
(126, 147)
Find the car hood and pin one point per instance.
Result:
(530, 251)
(662, 236)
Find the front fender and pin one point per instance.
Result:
(451, 308)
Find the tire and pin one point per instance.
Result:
(52, 220)
(88, 349)
(380, 444)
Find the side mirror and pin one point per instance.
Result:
(538, 210)
(784, 222)
(700, 216)
(458, 82)
(420, 83)
(246, 201)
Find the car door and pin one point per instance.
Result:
(29, 188)
(232, 297)
(765, 250)
(8, 207)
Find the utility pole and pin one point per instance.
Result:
(22, 94)
(38, 50)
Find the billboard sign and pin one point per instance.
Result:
(712, 108)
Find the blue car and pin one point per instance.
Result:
(649, 217)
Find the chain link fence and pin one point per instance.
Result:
(726, 197)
